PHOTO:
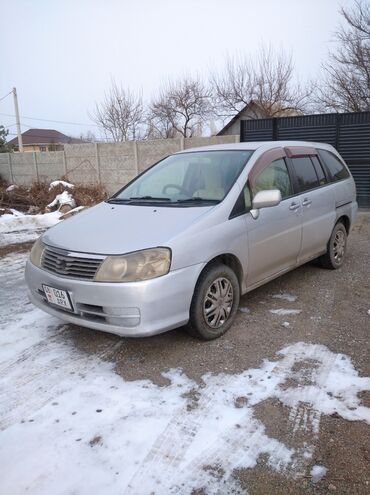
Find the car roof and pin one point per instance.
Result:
(254, 145)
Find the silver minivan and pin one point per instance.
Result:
(184, 240)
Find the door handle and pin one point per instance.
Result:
(306, 202)
(294, 206)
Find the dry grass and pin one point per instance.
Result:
(89, 195)
(36, 197)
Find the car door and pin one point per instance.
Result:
(317, 200)
(274, 238)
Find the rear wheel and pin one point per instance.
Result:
(337, 246)
(215, 302)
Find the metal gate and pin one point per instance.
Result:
(349, 133)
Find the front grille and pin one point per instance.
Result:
(63, 263)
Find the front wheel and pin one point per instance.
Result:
(215, 302)
(337, 245)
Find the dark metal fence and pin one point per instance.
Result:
(349, 133)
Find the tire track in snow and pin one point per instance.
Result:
(237, 446)
(234, 446)
(170, 447)
(305, 420)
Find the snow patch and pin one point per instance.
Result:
(11, 188)
(285, 296)
(317, 473)
(63, 183)
(245, 310)
(284, 312)
(21, 228)
(149, 435)
(64, 198)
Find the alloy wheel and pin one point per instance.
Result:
(218, 302)
(339, 246)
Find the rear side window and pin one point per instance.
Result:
(305, 172)
(336, 168)
(319, 170)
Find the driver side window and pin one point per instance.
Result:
(274, 176)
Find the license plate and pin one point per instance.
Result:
(58, 297)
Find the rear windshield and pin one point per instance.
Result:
(187, 178)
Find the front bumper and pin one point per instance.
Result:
(132, 309)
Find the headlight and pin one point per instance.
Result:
(36, 252)
(141, 265)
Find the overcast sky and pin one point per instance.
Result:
(62, 54)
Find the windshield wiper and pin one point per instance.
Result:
(197, 200)
(149, 198)
(135, 198)
(117, 200)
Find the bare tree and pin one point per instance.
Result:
(346, 86)
(120, 115)
(266, 82)
(158, 125)
(181, 107)
(89, 137)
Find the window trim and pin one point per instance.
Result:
(299, 151)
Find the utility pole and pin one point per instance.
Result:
(18, 122)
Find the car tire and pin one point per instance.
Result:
(336, 250)
(215, 302)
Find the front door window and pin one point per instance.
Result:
(274, 176)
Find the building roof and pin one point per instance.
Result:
(44, 136)
(254, 104)
(234, 119)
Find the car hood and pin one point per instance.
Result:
(119, 229)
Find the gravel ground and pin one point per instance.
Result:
(333, 312)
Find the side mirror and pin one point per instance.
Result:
(265, 199)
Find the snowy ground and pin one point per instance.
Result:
(69, 423)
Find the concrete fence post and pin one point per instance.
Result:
(182, 143)
(36, 166)
(10, 168)
(65, 163)
(237, 138)
(98, 163)
(136, 158)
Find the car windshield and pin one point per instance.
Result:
(187, 179)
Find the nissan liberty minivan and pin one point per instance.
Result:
(184, 240)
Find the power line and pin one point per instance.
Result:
(10, 92)
(47, 120)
